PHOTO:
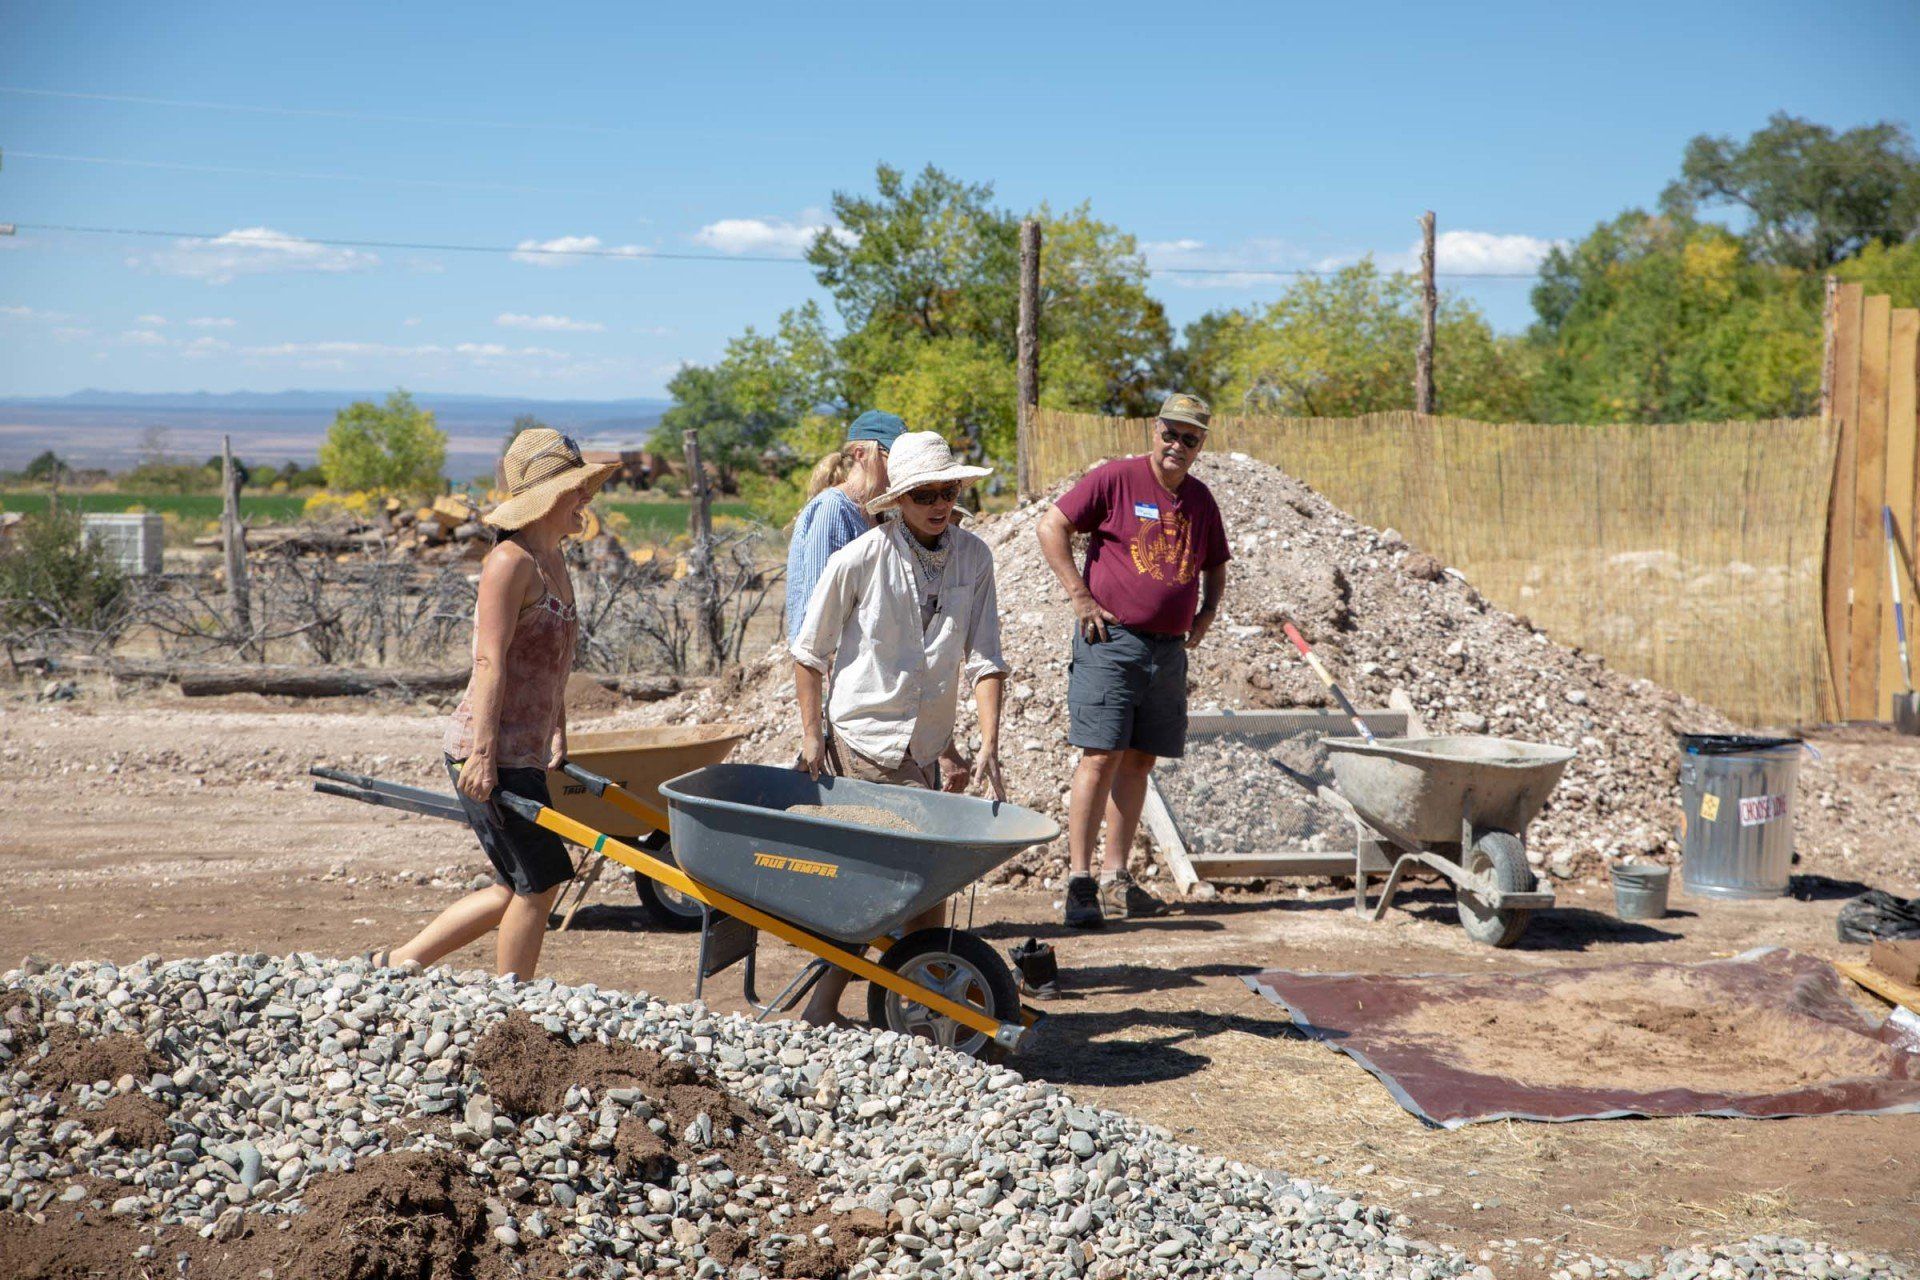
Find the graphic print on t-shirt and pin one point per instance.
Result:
(1163, 549)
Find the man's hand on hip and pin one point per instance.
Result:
(1092, 619)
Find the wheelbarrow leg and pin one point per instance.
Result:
(791, 994)
(598, 865)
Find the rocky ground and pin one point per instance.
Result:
(1383, 615)
(248, 1114)
(139, 825)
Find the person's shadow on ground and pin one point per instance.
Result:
(1133, 1046)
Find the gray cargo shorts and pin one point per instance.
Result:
(1128, 691)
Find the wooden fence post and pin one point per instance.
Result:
(1843, 410)
(233, 541)
(700, 556)
(1027, 357)
(1429, 304)
(1903, 454)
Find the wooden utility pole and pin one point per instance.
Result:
(1027, 347)
(233, 538)
(700, 555)
(1429, 304)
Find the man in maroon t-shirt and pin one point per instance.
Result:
(1156, 567)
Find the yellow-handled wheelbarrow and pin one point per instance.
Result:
(832, 888)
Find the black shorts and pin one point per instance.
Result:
(526, 858)
(1128, 692)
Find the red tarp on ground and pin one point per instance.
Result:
(1768, 1033)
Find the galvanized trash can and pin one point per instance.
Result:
(1639, 890)
(1736, 797)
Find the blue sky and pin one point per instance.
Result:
(1271, 135)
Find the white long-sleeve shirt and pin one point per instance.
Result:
(896, 686)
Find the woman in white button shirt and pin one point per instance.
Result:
(902, 617)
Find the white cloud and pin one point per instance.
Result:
(764, 236)
(72, 333)
(202, 347)
(210, 322)
(151, 322)
(144, 338)
(255, 251)
(339, 351)
(565, 251)
(1188, 263)
(15, 311)
(547, 324)
(1488, 252)
(411, 321)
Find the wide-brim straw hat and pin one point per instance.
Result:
(921, 458)
(540, 466)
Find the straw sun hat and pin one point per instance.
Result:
(541, 464)
(920, 458)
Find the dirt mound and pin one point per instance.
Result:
(411, 1215)
(528, 1071)
(135, 1120)
(1385, 616)
(71, 1246)
(72, 1058)
(829, 1243)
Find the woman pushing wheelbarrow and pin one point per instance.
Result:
(901, 616)
(511, 725)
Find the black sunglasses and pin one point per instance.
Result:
(1187, 438)
(930, 495)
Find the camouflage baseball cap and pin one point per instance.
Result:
(1181, 407)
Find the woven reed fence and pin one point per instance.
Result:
(1690, 554)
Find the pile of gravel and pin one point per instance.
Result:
(1382, 614)
(320, 1118)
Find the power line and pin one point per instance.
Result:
(637, 254)
(323, 113)
(285, 173)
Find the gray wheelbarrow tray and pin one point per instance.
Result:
(1458, 805)
(848, 883)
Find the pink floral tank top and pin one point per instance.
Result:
(533, 686)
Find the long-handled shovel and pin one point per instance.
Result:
(1326, 678)
(1906, 705)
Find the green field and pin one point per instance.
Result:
(262, 507)
(652, 521)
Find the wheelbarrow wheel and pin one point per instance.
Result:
(960, 966)
(1498, 856)
(664, 908)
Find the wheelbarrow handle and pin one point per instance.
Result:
(528, 809)
(593, 782)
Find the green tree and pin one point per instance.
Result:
(47, 468)
(1814, 196)
(53, 579)
(1105, 342)
(933, 258)
(1890, 269)
(1339, 345)
(392, 447)
(1663, 319)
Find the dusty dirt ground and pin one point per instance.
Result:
(136, 823)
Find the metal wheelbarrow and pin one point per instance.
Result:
(1457, 805)
(831, 888)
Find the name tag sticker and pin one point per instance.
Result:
(1146, 511)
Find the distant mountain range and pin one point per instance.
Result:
(108, 428)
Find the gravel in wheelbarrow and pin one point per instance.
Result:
(847, 881)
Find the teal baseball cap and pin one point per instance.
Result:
(878, 426)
